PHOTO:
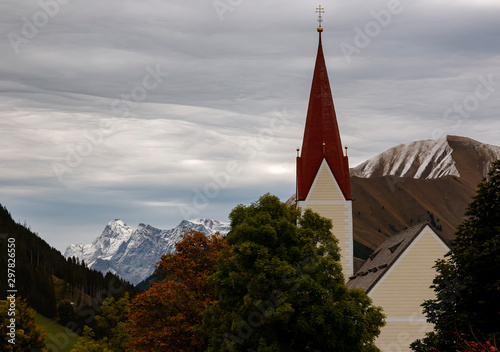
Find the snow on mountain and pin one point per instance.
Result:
(427, 159)
(131, 252)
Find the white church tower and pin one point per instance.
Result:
(323, 183)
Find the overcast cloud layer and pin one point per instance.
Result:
(155, 111)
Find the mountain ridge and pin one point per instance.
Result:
(387, 197)
(131, 252)
(426, 159)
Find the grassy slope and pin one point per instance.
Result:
(58, 339)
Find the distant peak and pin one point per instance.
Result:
(117, 222)
(131, 252)
(201, 220)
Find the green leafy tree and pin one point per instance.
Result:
(27, 335)
(281, 287)
(66, 312)
(88, 343)
(110, 333)
(467, 285)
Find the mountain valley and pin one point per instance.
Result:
(430, 180)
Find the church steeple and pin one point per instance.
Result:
(321, 135)
(323, 183)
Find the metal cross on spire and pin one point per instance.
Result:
(320, 10)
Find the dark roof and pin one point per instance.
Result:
(358, 263)
(381, 260)
(321, 135)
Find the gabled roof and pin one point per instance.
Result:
(383, 258)
(321, 135)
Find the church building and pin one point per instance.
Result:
(398, 274)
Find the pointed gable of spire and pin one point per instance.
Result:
(321, 135)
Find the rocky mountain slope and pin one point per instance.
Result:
(431, 180)
(430, 159)
(131, 252)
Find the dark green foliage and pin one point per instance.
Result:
(66, 312)
(467, 285)
(110, 333)
(38, 265)
(145, 284)
(111, 323)
(281, 287)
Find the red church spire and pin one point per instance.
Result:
(321, 135)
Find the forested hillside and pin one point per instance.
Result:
(44, 276)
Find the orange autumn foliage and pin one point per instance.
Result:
(474, 346)
(471, 346)
(163, 317)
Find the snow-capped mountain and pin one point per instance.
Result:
(427, 159)
(430, 180)
(131, 252)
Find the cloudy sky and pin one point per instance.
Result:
(154, 111)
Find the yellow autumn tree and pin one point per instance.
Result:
(20, 334)
(164, 317)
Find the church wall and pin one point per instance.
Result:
(404, 288)
(398, 336)
(326, 199)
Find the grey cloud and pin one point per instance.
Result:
(226, 81)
